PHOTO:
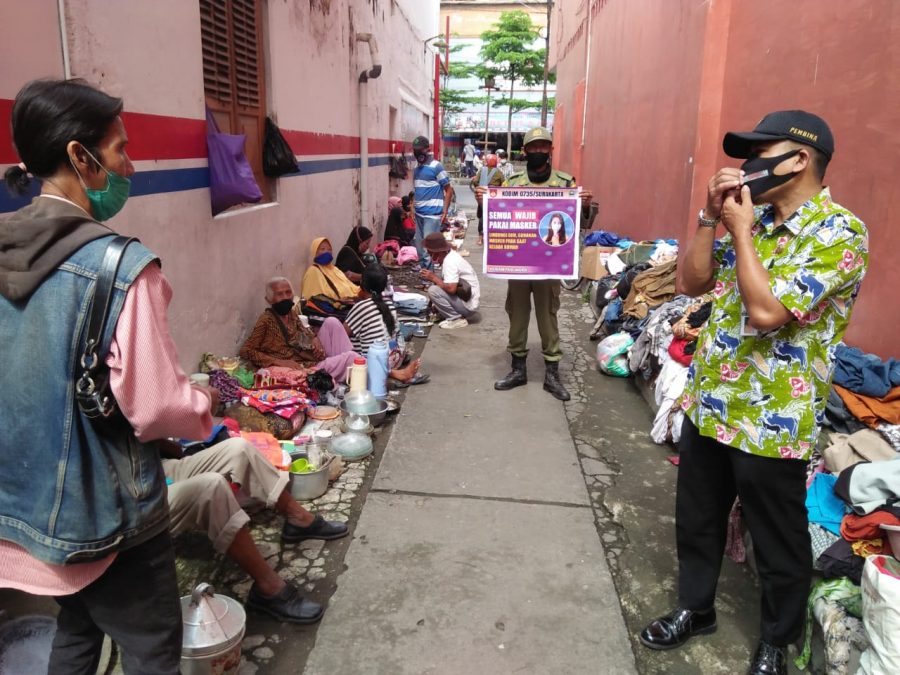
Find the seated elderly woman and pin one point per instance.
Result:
(350, 258)
(324, 278)
(280, 339)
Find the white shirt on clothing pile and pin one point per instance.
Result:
(454, 268)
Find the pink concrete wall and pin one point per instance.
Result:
(668, 79)
(31, 46)
(149, 53)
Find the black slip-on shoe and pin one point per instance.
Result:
(286, 605)
(319, 529)
(676, 628)
(768, 660)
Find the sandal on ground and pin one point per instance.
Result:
(419, 378)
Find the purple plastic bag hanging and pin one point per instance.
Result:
(231, 178)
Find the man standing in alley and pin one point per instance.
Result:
(432, 196)
(785, 278)
(468, 159)
(538, 147)
(503, 163)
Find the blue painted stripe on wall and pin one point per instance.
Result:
(177, 180)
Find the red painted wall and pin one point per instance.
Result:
(668, 79)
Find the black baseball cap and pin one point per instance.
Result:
(792, 125)
(421, 142)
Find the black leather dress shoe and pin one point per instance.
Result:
(319, 529)
(768, 660)
(286, 605)
(674, 629)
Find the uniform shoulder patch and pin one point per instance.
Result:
(564, 176)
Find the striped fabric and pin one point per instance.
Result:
(430, 179)
(367, 325)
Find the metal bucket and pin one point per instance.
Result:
(309, 486)
(213, 630)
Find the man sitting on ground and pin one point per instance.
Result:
(280, 339)
(200, 498)
(455, 293)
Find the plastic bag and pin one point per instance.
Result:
(881, 615)
(278, 158)
(612, 354)
(231, 178)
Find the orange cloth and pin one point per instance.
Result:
(854, 527)
(870, 411)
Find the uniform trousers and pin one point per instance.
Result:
(546, 305)
(773, 504)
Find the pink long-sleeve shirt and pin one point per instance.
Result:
(153, 393)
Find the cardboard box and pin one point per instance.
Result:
(593, 261)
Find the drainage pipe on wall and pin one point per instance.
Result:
(364, 77)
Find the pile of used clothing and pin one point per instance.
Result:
(853, 490)
(634, 278)
(662, 354)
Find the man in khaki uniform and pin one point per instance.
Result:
(538, 147)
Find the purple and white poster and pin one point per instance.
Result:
(531, 232)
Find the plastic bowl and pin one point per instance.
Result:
(360, 402)
(376, 417)
(352, 446)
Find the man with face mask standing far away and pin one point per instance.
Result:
(538, 147)
(432, 197)
(784, 279)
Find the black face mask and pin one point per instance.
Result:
(537, 160)
(759, 172)
(283, 307)
(421, 157)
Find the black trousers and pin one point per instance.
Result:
(773, 503)
(136, 603)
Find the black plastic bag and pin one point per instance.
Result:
(320, 382)
(278, 158)
(398, 167)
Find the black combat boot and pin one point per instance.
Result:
(552, 383)
(514, 378)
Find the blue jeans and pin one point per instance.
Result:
(425, 225)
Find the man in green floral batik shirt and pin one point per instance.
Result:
(784, 277)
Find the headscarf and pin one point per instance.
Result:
(358, 235)
(316, 278)
(394, 202)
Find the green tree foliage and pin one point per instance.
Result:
(508, 53)
(455, 101)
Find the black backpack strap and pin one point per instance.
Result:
(284, 333)
(329, 281)
(92, 387)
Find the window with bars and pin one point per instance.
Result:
(234, 73)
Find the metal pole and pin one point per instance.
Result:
(547, 64)
(487, 119)
(436, 139)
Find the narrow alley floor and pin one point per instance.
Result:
(506, 532)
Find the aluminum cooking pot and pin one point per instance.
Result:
(213, 630)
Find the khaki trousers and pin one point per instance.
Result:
(546, 305)
(201, 498)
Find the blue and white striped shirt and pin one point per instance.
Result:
(430, 179)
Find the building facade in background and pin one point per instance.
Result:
(468, 20)
(646, 89)
(296, 62)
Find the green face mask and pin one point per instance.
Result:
(109, 201)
